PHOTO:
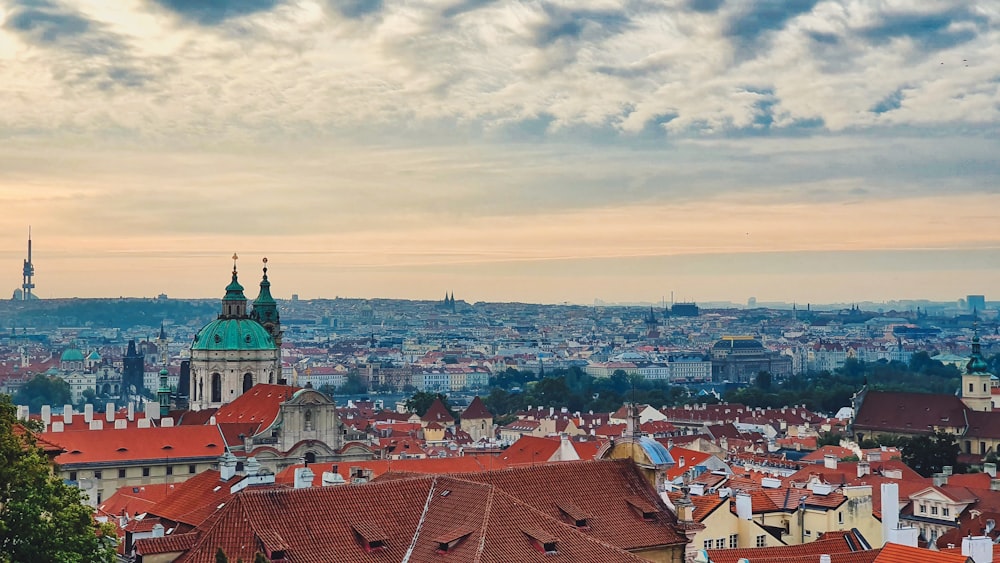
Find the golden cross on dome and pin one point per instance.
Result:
(235, 258)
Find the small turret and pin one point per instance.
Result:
(265, 309)
(234, 304)
(163, 393)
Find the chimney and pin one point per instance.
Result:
(864, 469)
(995, 484)
(680, 462)
(157, 530)
(890, 508)
(251, 467)
(990, 469)
(227, 466)
(46, 414)
(131, 411)
(824, 558)
(979, 548)
(67, 414)
(947, 470)
(304, 478)
(121, 424)
(57, 427)
(88, 413)
(744, 506)
(109, 412)
(830, 461)
(940, 479)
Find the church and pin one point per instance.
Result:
(239, 349)
(969, 415)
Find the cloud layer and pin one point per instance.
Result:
(334, 119)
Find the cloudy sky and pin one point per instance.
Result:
(549, 151)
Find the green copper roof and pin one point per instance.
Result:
(72, 355)
(234, 291)
(233, 334)
(976, 363)
(264, 297)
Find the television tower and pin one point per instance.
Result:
(29, 270)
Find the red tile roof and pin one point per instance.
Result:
(137, 445)
(437, 413)
(412, 515)
(476, 410)
(259, 405)
(196, 499)
(896, 553)
(379, 467)
(909, 413)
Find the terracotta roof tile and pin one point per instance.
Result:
(258, 405)
(476, 410)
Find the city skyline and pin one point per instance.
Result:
(818, 151)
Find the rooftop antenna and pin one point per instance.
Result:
(29, 271)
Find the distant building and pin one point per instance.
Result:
(684, 310)
(976, 302)
(741, 358)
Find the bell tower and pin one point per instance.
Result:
(976, 387)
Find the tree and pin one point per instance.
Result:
(41, 518)
(927, 455)
(354, 385)
(220, 556)
(43, 390)
(764, 380)
(421, 401)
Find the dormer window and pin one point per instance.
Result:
(370, 536)
(542, 541)
(448, 542)
(643, 508)
(575, 514)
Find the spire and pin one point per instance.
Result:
(264, 297)
(976, 363)
(163, 332)
(265, 308)
(234, 304)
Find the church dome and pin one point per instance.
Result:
(72, 355)
(233, 334)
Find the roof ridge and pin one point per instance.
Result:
(487, 512)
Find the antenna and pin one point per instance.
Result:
(29, 271)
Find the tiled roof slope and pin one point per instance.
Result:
(137, 444)
(910, 413)
(409, 516)
(259, 404)
(196, 499)
(476, 410)
(601, 489)
(437, 413)
(802, 552)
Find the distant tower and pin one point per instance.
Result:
(976, 386)
(133, 367)
(29, 271)
(161, 344)
(652, 324)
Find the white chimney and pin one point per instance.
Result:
(57, 426)
(23, 412)
(109, 411)
(166, 422)
(227, 466)
(979, 548)
(990, 469)
(88, 413)
(97, 424)
(67, 414)
(121, 424)
(304, 478)
(46, 414)
(830, 461)
(252, 466)
(131, 411)
(744, 506)
(157, 530)
(864, 469)
(824, 558)
(890, 507)
(143, 423)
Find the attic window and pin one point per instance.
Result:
(542, 541)
(370, 536)
(643, 508)
(168, 447)
(122, 449)
(576, 514)
(447, 542)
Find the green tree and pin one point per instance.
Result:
(928, 454)
(220, 556)
(764, 380)
(355, 384)
(42, 518)
(260, 558)
(43, 390)
(421, 401)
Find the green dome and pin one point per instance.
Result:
(233, 334)
(72, 355)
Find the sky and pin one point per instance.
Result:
(543, 151)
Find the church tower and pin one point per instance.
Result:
(265, 309)
(232, 353)
(976, 386)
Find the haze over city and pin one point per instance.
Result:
(507, 151)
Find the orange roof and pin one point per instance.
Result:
(691, 459)
(137, 444)
(476, 410)
(259, 404)
(378, 467)
(896, 553)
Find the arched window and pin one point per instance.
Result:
(247, 381)
(309, 420)
(216, 388)
(310, 458)
(201, 389)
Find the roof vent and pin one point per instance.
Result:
(371, 537)
(449, 541)
(576, 514)
(543, 541)
(643, 508)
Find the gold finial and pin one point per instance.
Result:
(265, 259)
(235, 258)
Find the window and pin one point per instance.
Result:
(720, 543)
(945, 511)
(97, 475)
(808, 533)
(761, 541)
(734, 541)
(247, 381)
(191, 469)
(216, 388)
(707, 544)
(72, 475)
(121, 473)
(934, 510)
(923, 509)
(145, 472)
(970, 388)
(170, 470)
